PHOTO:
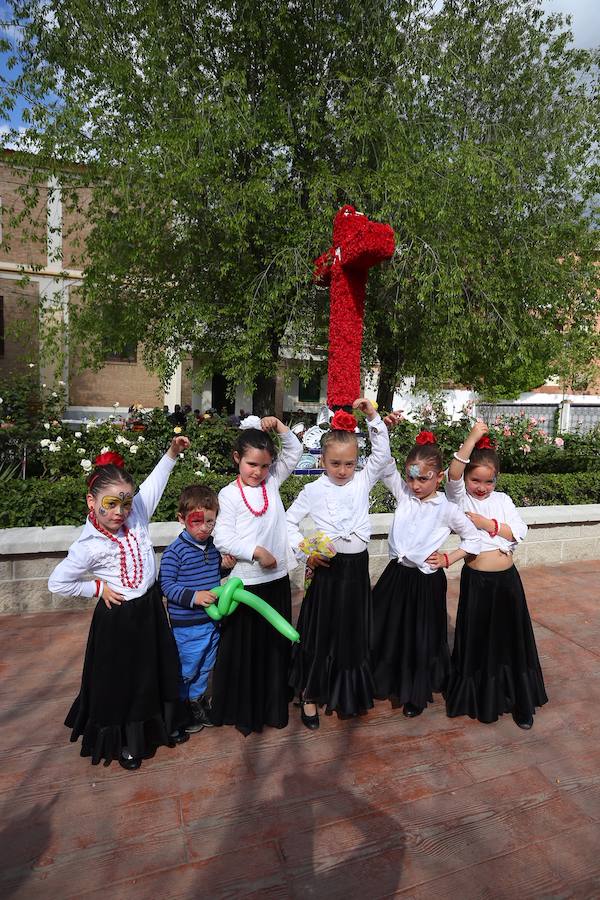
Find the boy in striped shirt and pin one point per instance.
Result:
(189, 568)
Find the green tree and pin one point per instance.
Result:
(219, 140)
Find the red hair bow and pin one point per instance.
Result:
(425, 437)
(110, 458)
(484, 443)
(343, 421)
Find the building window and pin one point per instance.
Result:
(127, 354)
(1, 327)
(309, 389)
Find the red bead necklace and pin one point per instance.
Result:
(138, 566)
(255, 512)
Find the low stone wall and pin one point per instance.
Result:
(28, 555)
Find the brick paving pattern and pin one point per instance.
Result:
(373, 807)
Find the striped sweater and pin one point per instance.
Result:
(187, 567)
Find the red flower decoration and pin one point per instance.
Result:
(425, 437)
(484, 443)
(343, 421)
(110, 459)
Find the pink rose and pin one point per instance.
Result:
(559, 442)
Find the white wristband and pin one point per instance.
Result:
(465, 462)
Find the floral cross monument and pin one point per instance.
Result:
(358, 244)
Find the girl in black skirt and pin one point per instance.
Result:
(250, 687)
(411, 659)
(330, 666)
(496, 668)
(128, 704)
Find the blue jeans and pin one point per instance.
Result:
(197, 646)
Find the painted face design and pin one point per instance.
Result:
(414, 471)
(195, 518)
(109, 503)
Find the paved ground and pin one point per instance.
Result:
(428, 808)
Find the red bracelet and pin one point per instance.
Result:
(447, 560)
(98, 583)
(497, 528)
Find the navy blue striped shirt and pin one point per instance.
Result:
(187, 567)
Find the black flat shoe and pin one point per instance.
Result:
(179, 737)
(411, 711)
(524, 723)
(131, 764)
(311, 722)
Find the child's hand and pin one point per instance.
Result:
(365, 407)
(314, 561)
(478, 430)
(109, 596)
(266, 559)
(393, 418)
(437, 560)
(178, 445)
(204, 598)
(228, 561)
(480, 521)
(272, 423)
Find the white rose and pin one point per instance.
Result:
(81, 451)
(105, 450)
(199, 473)
(59, 440)
(1, 400)
(141, 439)
(62, 384)
(204, 460)
(182, 456)
(250, 422)
(47, 426)
(77, 434)
(45, 442)
(53, 448)
(133, 449)
(31, 366)
(91, 425)
(44, 385)
(54, 394)
(86, 465)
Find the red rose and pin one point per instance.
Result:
(110, 458)
(484, 443)
(425, 437)
(343, 421)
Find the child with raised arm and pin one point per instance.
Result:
(330, 666)
(250, 679)
(496, 668)
(128, 703)
(189, 568)
(411, 657)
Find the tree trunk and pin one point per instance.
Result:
(263, 398)
(389, 363)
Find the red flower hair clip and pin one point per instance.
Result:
(110, 458)
(425, 437)
(484, 443)
(343, 421)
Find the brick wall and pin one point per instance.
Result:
(21, 325)
(25, 244)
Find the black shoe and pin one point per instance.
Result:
(524, 722)
(200, 716)
(179, 737)
(410, 710)
(131, 763)
(311, 722)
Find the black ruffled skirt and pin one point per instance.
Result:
(496, 668)
(411, 658)
(331, 665)
(250, 678)
(129, 694)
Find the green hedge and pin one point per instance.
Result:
(36, 502)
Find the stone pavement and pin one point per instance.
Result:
(373, 807)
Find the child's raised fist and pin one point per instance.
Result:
(478, 430)
(393, 418)
(178, 445)
(365, 406)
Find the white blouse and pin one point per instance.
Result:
(95, 554)
(342, 510)
(239, 532)
(420, 527)
(497, 506)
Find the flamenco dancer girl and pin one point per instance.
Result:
(128, 704)
(496, 668)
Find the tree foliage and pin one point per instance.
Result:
(219, 139)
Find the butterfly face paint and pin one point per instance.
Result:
(123, 502)
(422, 482)
(414, 471)
(113, 507)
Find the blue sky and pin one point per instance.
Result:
(585, 26)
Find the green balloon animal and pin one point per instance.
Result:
(232, 593)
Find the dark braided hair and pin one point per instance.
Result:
(255, 439)
(107, 474)
(429, 454)
(486, 456)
